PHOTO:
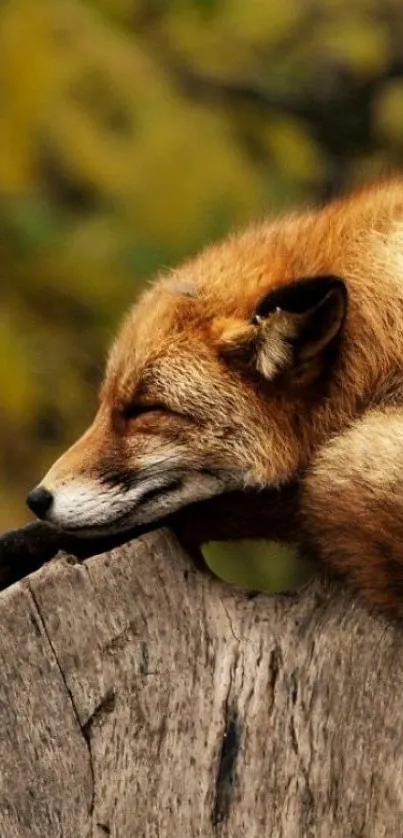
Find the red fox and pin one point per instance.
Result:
(272, 360)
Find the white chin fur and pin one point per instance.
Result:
(90, 508)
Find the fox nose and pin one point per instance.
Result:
(40, 501)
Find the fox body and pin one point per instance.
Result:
(272, 360)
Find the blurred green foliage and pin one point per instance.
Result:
(132, 132)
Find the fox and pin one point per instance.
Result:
(257, 391)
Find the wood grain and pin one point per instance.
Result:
(141, 698)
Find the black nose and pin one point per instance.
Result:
(40, 501)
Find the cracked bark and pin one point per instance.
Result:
(141, 698)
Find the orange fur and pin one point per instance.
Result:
(206, 394)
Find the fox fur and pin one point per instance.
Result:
(271, 360)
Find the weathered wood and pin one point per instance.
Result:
(141, 698)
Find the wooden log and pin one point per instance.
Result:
(140, 698)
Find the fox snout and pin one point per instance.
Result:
(91, 489)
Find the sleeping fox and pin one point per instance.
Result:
(272, 360)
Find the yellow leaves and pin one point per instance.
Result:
(183, 181)
(259, 21)
(17, 387)
(149, 165)
(358, 40)
(229, 40)
(27, 78)
(389, 110)
(294, 150)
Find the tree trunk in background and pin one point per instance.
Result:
(141, 698)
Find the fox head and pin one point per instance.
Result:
(224, 376)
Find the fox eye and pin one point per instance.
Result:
(133, 411)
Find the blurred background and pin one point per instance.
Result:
(132, 132)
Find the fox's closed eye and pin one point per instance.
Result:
(134, 411)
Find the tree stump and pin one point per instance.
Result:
(140, 698)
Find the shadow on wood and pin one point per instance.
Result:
(141, 698)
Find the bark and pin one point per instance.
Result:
(140, 697)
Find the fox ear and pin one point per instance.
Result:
(292, 331)
(297, 324)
